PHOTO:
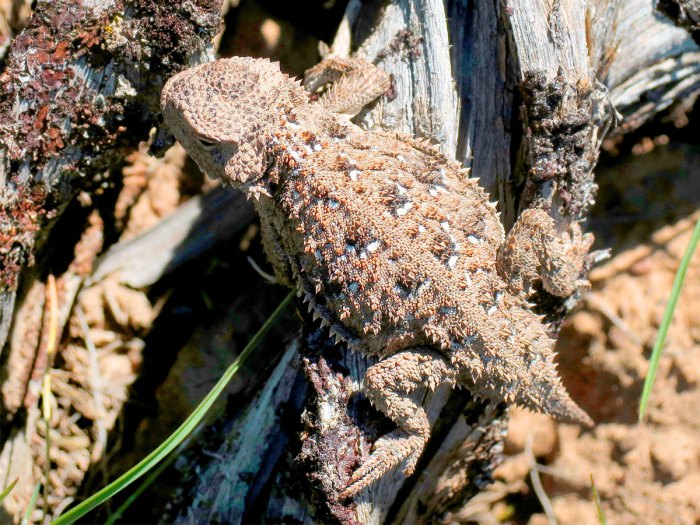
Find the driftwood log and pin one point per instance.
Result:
(521, 92)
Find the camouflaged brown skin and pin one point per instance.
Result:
(391, 243)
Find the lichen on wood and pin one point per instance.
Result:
(79, 90)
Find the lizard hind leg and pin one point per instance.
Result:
(534, 250)
(395, 386)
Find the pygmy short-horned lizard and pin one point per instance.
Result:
(391, 243)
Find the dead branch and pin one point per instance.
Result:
(79, 90)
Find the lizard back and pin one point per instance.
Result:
(390, 238)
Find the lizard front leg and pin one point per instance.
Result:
(394, 386)
(533, 250)
(355, 82)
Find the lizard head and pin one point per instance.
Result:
(222, 113)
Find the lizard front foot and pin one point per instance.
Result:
(576, 246)
(534, 250)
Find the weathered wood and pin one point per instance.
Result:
(199, 224)
(654, 66)
(685, 13)
(80, 89)
(252, 442)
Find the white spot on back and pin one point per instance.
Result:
(473, 239)
(353, 174)
(452, 261)
(373, 246)
(404, 209)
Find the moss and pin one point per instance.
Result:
(559, 126)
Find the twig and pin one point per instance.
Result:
(537, 483)
(596, 304)
(96, 384)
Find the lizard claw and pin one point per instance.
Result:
(388, 452)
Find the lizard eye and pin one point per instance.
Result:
(206, 143)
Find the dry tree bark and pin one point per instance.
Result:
(79, 89)
(523, 93)
(685, 13)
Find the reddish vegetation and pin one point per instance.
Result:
(53, 96)
(19, 221)
(62, 129)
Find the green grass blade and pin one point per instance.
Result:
(150, 479)
(32, 504)
(7, 490)
(146, 464)
(599, 508)
(666, 320)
